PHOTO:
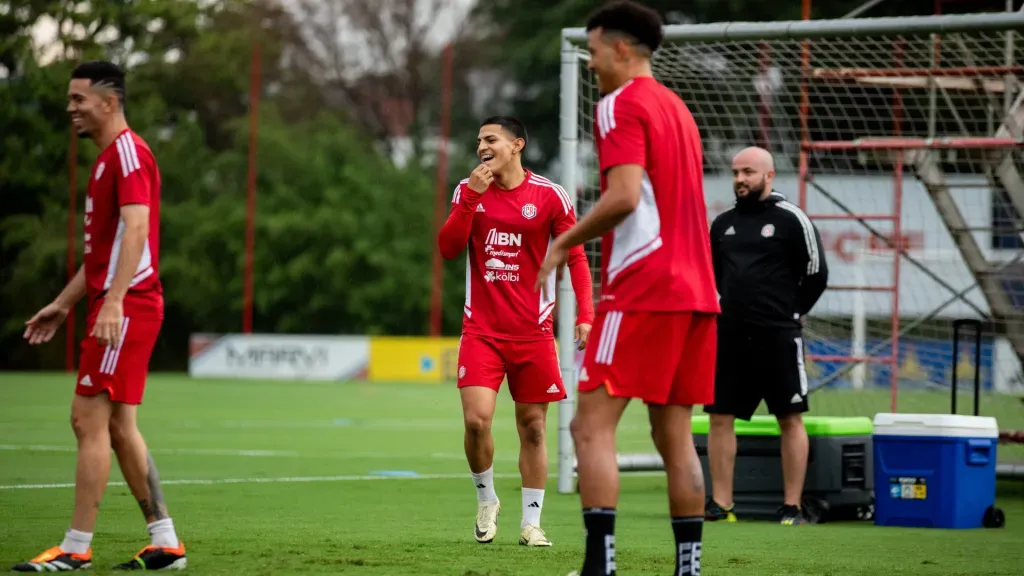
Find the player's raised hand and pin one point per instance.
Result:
(480, 179)
(582, 335)
(41, 327)
(107, 329)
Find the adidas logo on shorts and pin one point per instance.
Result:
(553, 389)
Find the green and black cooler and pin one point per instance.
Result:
(839, 483)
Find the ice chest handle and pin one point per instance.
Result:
(957, 324)
(979, 452)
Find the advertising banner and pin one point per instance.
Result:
(282, 357)
(413, 359)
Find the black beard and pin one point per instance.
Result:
(752, 197)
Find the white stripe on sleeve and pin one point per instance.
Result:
(813, 254)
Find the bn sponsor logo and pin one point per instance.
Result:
(496, 238)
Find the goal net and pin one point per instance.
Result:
(901, 139)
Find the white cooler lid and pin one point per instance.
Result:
(946, 425)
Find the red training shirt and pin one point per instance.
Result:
(659, 257)
(124, 173)
(508, 233)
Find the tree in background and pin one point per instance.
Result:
(343, 236)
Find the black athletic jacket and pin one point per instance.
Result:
(769, 263)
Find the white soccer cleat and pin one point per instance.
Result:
(486, 521)
(532, 535)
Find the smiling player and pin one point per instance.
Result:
(508, 216)
(119, 278)
(656, 322)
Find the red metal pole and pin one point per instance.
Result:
(909, 143)
(441, 186)
(69, 356)
(805, 104)
(250, 208)
(898, 72)
(897, 233)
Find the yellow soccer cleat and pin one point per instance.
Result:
(532, 535)
(715, 513)
(486, 521)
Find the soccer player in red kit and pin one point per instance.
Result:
(654, 336)
(507, 217)
(119, 278)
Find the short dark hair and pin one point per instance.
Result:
(631, 19)
(102, 73)
(510, 124)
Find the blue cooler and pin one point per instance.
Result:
(934, 470)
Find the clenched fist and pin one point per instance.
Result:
(480, 179)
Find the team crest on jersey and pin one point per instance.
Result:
(529, 211)
(99, 169)
(768, 231)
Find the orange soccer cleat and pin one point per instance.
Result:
(56, 560)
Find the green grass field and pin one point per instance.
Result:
(284, 478)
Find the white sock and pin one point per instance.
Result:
(76, 542)
(533, 503)
(163, 533)
(484, 483)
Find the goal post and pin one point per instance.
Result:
(568, 150)
(901, 138)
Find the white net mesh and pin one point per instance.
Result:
(859, 188)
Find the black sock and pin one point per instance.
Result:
(600, 552)
(688, 535)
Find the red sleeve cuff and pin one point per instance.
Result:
(582, 286)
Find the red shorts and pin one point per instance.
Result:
(532, 367)
(119, 371)
(659, 357)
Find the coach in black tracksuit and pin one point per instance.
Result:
(770, 270)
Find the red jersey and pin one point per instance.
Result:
(508, 233)
(659, 257)
(124, 173)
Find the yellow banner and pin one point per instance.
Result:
(413, 359)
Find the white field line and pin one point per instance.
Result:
(287, 479)
(188, 452)
(268, 453)
(340, 424)
(291, 479)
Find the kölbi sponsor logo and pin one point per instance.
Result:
(503, 276)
